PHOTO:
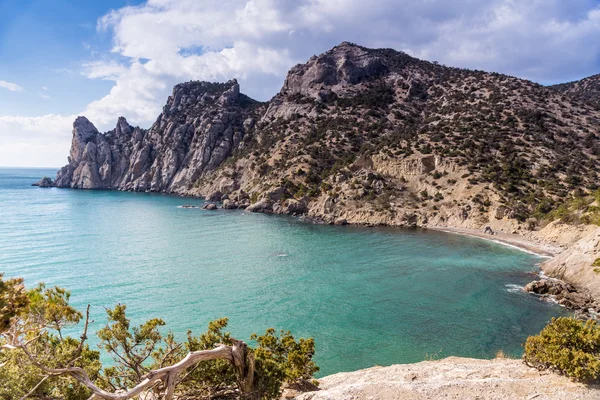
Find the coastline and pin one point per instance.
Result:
(507, 239)
(568, 250)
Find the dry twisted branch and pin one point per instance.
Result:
(237, 354)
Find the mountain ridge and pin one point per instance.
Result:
(361, 135)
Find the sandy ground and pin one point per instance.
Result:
(542, 249)
(451, 378)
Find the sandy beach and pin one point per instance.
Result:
(508, 239)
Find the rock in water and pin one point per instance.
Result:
(229, 204)
(261, 206)
(45, 182)
(566, 295)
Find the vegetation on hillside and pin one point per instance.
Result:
(568, 346)
(39, 360)
(585, 90)
(529, 145)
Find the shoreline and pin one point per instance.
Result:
(506, 239)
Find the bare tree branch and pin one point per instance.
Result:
(237, 354)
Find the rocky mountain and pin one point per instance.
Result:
(586, 90)
(201, 124)
(361, 135)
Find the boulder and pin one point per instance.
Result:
(239, 196)
(261, 206)
(210, 206)
(501, 212)
(244, 203)
(294, 207)
(229, 204)
(215, 196)
(228, 185)
(45, 182)
(549, 286)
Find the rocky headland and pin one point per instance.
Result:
(376, 137)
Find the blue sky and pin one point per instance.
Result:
(42, 45)
(104, 59)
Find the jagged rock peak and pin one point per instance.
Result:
(83, 126)
(345, 64)
(83, 132)
(202, 93)
(205, 86)
(123, 127)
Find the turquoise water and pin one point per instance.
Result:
(369, 297)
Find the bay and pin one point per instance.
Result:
(369, 296)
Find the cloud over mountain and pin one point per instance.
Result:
(162, 42)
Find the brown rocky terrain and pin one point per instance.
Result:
(586, 90)
(362, 135)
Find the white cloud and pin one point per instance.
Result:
(35, 141)
(163, 42)
(13, 87)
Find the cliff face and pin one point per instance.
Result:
(200, 126)
(359, 135)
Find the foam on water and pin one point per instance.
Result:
(514, 288)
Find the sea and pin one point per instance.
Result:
(368, 296)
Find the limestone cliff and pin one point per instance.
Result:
(200, 126)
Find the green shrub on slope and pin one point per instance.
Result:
(569, 346)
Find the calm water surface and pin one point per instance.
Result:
(368, 296)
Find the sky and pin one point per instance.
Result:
(105, 59)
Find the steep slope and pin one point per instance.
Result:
(199, 127)
(360, 135)
(376, 136)
(586, 90)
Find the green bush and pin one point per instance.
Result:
(569, 346)
(36, 319)
(596, 263)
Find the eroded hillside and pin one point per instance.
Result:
(363, 136)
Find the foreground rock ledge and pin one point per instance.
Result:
(452, 378)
